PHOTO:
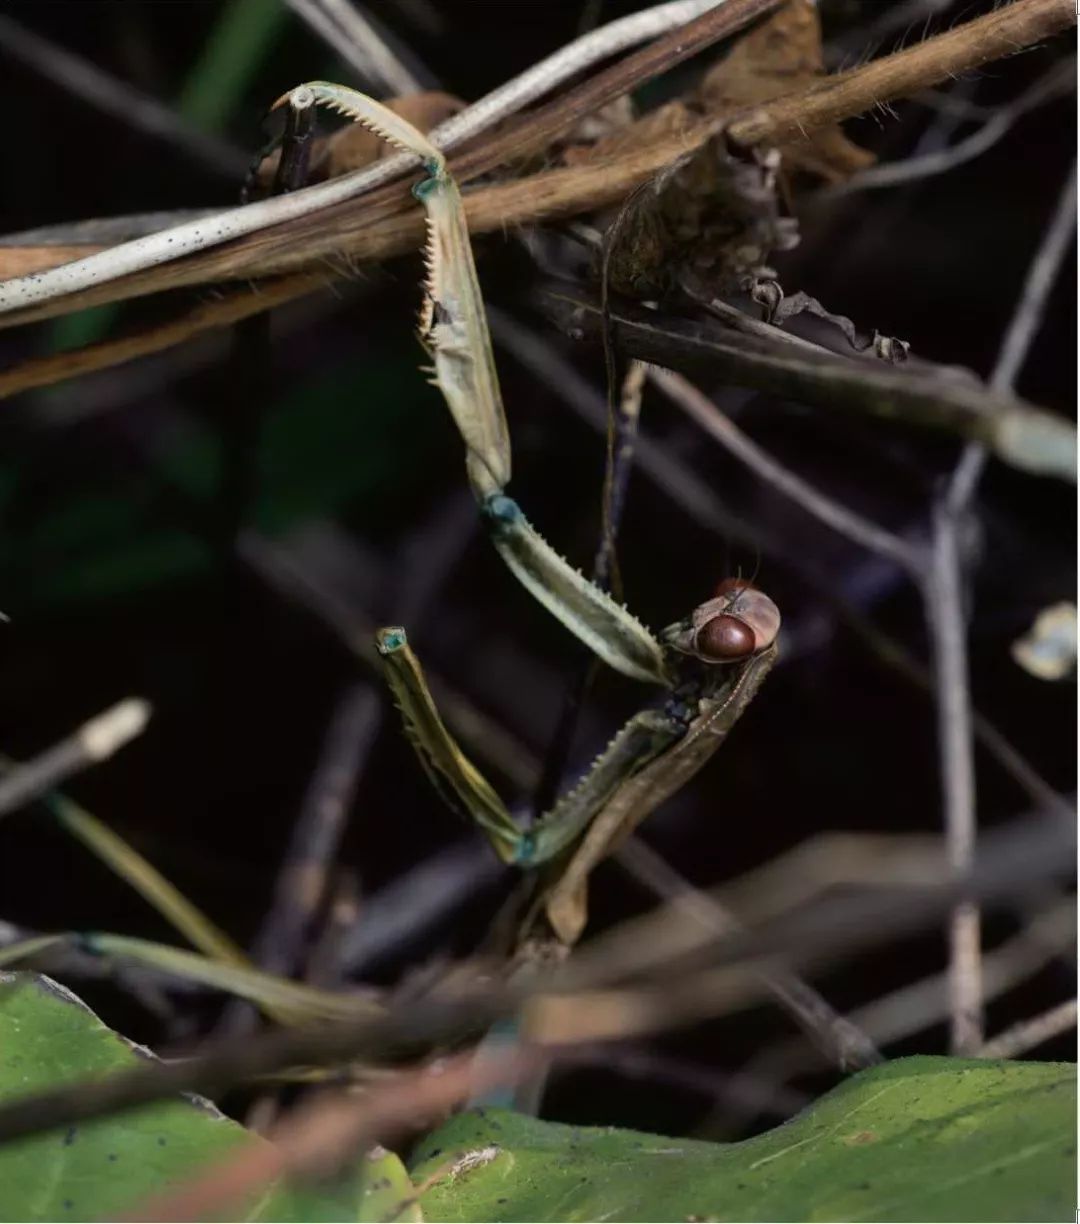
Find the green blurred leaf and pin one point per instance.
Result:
(916, 1139)
(361, 432)
(97, 1170)
(359, 440)
(231, 55)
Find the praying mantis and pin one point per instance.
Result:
(710, 663)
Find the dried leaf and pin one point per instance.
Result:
(714, 213)
(781, 56)
(1048, 649)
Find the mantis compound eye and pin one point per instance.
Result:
(725, 639)
(737, 623)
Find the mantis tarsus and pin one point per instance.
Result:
(710, 663)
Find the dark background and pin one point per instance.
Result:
(121, 495)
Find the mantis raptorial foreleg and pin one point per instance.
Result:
(645, 736)
(453, 326)
(736, 628)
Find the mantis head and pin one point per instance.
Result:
(737, 623)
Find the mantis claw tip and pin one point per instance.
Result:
(391, 639)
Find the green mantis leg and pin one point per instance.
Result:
(453, 326)
(643, 738)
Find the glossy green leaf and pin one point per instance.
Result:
(916, 1139)
(98, 1170)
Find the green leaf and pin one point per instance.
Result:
(916, 1139)
(98, 1170)
(243, 34)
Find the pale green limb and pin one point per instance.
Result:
(610, 631)
(170, 903)
(645, 736)
(439, 753)
(145, 878)
(277, 996)
(639, 795)
(454, 327)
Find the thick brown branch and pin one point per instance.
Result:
(385, 223)
(1000, 33)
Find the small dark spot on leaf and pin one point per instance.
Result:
(740, 1185)
(113, 1156)
(70, 1135)
(68, 1204)
(501, 1201)
(434, 1152)
(863, 1186)
(162, 1141)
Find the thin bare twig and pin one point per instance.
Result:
(901, 1013)
(96, 740)
(929, 396)
(705, 413)
(1041, 275)
(840, 1040)
(947, 621)
(1056, 83)
(346, 30)
(301, 887)
(206, 317)
(1031, 1033)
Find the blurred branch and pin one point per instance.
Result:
(222, 311)
(899, 1014)
(1041, 275)
(915, 890)
(900, 15)
(301, 887)
(840, 1040)
(124, 102)
(346, 29)
(1031, 1033)
(1058, 82)
(712, 421)
(320, 1136)
(1011, 862)
(409, 905)
(946, 615)
(95, 741)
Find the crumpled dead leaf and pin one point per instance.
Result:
(781, 56)
(1048, 649)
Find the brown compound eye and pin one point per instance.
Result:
(725, 639)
